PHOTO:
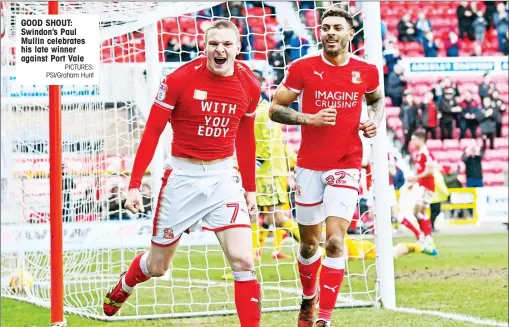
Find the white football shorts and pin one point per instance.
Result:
(422, 195)
(322, 194)
(195, 196)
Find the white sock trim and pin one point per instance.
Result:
(143, 264)
(334, 263)
(126, 287)
(244, 276)
(309, 297)
(311, 260)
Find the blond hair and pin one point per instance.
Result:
(220, 24)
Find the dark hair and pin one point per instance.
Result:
(421, 134)
(338, 12)
(223, 23)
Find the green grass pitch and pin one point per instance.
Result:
(469, 278)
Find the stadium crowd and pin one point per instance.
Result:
(451, 111)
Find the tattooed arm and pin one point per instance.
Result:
(281, 113)
(376, 106)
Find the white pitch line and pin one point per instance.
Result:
(453, 316)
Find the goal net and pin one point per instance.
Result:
(101, 130)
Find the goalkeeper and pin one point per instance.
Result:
(271, 182)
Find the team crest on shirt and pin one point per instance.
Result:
(168, 233)
(356, 78)
(161, 93)
(298, 190)
(200, 95)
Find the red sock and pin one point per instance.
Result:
(330, 284)
(411, 226)
(248, 302)
(135, 274)
(425, 225)
(308, 271)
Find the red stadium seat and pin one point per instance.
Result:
(451, 144)
(434, 145)
(392, 111)
(467, 142)
(394, 122)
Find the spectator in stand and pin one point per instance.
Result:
(505, 44)
(430, 45)
(448, 110)
(116, 202)
(484, 87)
(452, 45)
(500, 108)
(189, 50)
(473, 165)
(479, 26)
(263, 85)
(277, 61)
(406, 29)
(422, 26)
(235, 8)
(173, 50)
(438, 89)
(88, 207)
(468, 120)
(428, 115)
(146, 193)
(396, 83)
(490, 9)
(492, 87)
(306, 5)
(466, 17)
(477, 50)
(487, 118)
(295, 46)
(391, 55)
(501, 24)
(409, 115)
(357, 26)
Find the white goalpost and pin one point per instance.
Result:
(101, 130)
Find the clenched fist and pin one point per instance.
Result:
(134, 201)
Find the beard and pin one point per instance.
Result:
(342, 45)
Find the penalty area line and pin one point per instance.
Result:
(452, 316)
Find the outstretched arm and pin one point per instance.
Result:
(376, 106)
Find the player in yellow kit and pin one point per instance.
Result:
(364, 249)
(272, 158)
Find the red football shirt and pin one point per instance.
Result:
(322, 85)
(422, 160)
(205, 110)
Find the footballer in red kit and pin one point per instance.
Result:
(423, 187)
(331, 86)
(210, 103)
